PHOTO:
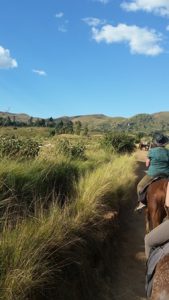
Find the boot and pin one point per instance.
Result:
(140, 206)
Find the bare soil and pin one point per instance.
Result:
(130, 277)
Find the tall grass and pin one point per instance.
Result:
(54, 254)
(30, 132)
(22, 183)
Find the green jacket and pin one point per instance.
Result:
(159, 161)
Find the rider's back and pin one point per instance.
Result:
(159, 157)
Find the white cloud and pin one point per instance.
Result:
(159, 7)
(140, 40)
(62, 28)
(93, 21)
(167, 28)
(59, 15)
(39, 72)
(6, 61)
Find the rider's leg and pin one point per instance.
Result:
(156, 237)
(142, 184)
(140, 187)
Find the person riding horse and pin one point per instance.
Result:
(157, 163)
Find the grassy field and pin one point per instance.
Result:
(57, 216)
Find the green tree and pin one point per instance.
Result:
(8, 121)
(40, 122)
(59, 127)
(68, 127)
(50, 122)
(119, 142)
(77, 127)
(30, 121)
(86, 130)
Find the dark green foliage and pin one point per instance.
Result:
(119, 142)
(144, 137)
(139, 136)
(63, 147)
(67, 127)
(50, 122)
(18, 148)
(86, 130)
(47, 181)
(40, 123)
(52, 132)
(77, 127)
(75, 151)
(64, 127)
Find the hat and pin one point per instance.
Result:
(160, 139)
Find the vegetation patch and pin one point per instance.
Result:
(13, 147)
(119, 142)
(61, 253)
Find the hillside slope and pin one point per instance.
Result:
(100, 122)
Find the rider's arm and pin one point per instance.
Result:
(157, 236)
(147, 162)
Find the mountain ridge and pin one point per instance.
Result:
(101, 122)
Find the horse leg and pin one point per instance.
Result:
(156, 218)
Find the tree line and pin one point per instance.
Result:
(58, 126)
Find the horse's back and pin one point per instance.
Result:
(158, 186)
(160, 290)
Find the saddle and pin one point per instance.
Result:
(142, 195)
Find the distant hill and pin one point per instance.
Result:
(147, 122)
(19, 117)
(100, 122)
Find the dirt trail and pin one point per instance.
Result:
(131, 267)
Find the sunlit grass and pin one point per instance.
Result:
(34, 252)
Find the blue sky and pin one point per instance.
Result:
(76, 57)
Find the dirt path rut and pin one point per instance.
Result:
(130, 281)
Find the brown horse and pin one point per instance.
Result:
(156, 210)
(160, 289)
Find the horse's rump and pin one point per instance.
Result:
(160, 289)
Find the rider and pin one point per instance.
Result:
(157, 163)
(156, 248)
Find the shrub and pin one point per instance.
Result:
(52, 133)
(64, 147)
(18, 148)
(142, 136)
(75, 151)
(119, 142)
